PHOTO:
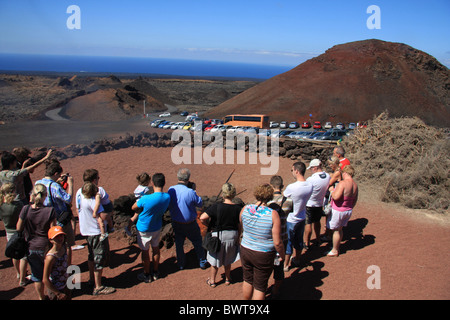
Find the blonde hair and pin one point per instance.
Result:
(228, 191)
(349, 170)
(7, 193)
(38, 194)
(334, 160)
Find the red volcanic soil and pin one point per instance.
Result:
(352, 82)
(411, 248)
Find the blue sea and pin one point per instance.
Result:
(154, 66)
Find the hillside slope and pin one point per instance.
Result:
(352, 82)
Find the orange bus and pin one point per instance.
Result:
(247, 120)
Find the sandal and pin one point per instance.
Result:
(209, 283)
(103, 291)
(227, 282)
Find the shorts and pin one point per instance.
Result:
(98, 251)
(257, 267)
(36, 261)
(338, 219)
(295, 236)
(313, 214)
(145, 239)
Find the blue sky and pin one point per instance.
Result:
(261, 31)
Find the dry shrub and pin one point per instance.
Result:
(407, 158)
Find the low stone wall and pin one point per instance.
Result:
(288, 148)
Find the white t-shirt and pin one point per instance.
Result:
(140, 191)
(88, 225)
(299, 192)
(104, 197)
(320, 181)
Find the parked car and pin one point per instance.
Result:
(264, 132)
(352, 125)
(340, 126)
(224, 128)
(283, 125)
(274, 124)
(328, 125)
(168, 125)
(184, 113)
(165, 114)
(317, 135)
(306, 125)
(317, 125)
(294, 125)
(306, 135)
(156, 123)
(208, 128)
(232, 129)
(198, 127)
(187, 126)
(336, 134)
(252, 130)
(216, 128)
(294, 134)
(285, 133)
(275, 133)
(162, 124)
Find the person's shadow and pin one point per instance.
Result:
(302, 284)
(354, 237)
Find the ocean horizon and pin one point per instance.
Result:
(134, 65)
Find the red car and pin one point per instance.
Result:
(306, 125)
(210, 127)
(317, 125)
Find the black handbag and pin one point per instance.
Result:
(210, 242)
(17, 246)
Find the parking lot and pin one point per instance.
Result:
(315, 131)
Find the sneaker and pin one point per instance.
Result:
(143, 277)
(103, 291)
(155, 275)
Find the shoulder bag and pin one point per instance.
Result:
(210, 242)
(17, 246)
(66, 216)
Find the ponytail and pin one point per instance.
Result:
(38, 195)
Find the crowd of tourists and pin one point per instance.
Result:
(268, 235)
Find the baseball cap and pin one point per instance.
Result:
(314, 163)
(55, 231)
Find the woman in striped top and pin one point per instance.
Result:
(260, 241)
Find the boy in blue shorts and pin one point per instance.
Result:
(149, 224)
